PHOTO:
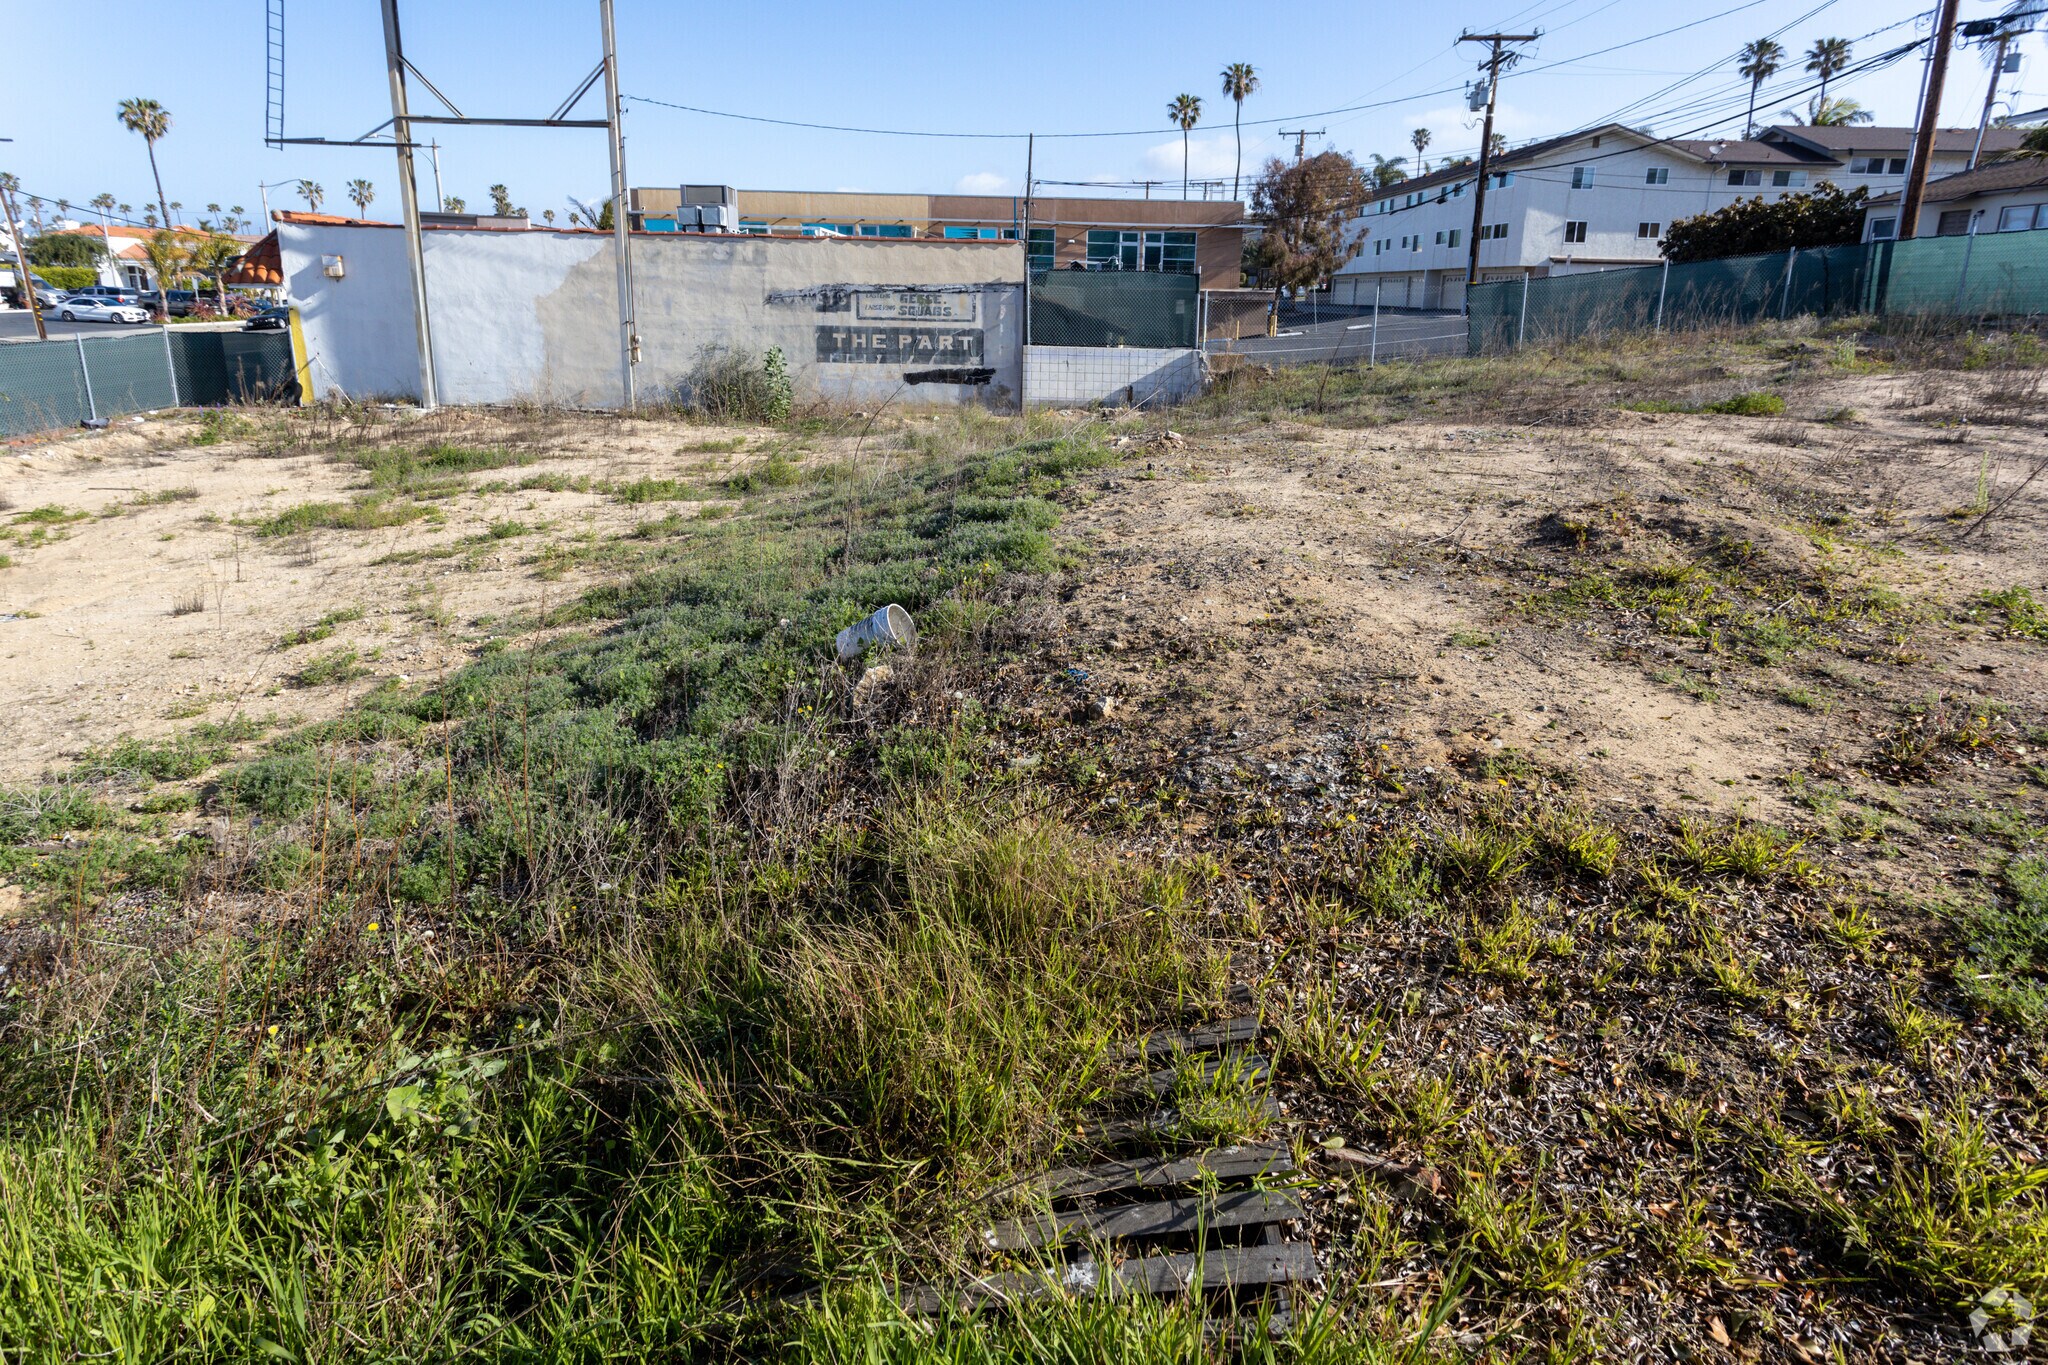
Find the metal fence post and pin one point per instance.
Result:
(1785, 299)
(1522, 327)
(1663, 282)
(170, 368)
(1374, 358)
(85, 372)
(1963, 279)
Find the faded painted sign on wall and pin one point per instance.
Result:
(859, 345)
(916, 305)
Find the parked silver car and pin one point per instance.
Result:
(82, 308)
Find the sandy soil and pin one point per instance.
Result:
(146, 617)
(1252, 589)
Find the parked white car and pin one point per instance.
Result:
(86, 309)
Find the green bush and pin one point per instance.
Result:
(1823, 216)
(69, 276)
(729, 385)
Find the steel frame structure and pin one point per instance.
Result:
(400, 138)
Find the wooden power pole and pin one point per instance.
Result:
(24, 278)
(1493, 63)
(1930, 117)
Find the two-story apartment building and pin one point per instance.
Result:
(1602, 198)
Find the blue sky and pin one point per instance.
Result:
(1056, 68)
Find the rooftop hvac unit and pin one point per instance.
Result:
(700, 218)
(695, 195)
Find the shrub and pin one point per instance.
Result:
(69, 276)
(1824, 216)
(729, 385)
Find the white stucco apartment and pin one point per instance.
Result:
(1602, 198)
(2005, 196)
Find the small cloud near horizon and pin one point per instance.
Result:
(982, 182)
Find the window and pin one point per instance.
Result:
(754, 227)
(1458, 234)
(1503, 179)
(1649, 229)
(1493, 232)
(1883, 229)
(1439, 239)
(1038, 251)
(1877, 165)
(1784, 178)
(2020, 217)
(1582, 177)
(1575, 232)
(1954, 223)
(1417, 246)
(1745, 177)
(1657, 175)
(1170, 252)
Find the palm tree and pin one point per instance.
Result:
(1239, 80)
(235, 217)
(1760, 61)
(1419, 140)
(169, 255)
(127, 209)
(312, 193)
(548, 217)
(152, 120)
(361, 192)
(1826, 59)
(501, 201)
(103, 201)
(575, 218)
(1835, 113)
(214, 254)
(1387, 170)
(1186, 112)
(149, 218)
(453, 204)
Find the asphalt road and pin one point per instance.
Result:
(17, 325)
(1346, 338)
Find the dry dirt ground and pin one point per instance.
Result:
(146, 589)
(1250, 584)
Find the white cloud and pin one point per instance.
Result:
(982, 182)
(1209, 156)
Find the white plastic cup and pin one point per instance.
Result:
(891, 627)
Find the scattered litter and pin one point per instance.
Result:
(94, 424)
(890, 628)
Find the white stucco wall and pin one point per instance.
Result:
(534, 315)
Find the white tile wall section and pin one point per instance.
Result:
(1130, 375)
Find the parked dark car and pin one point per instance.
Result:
(269, 320)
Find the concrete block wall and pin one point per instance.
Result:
(533, 315)
(1134, 376)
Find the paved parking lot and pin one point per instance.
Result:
(1350, 337)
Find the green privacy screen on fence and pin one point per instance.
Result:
(50, 384)
(2002, 273)
(1114, 308)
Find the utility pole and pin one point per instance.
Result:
(1930, 116)
(434, 150)
(1301, 137)
(409, 199)
(629, 331)
(24, 280)
(1493, 64)
(2005, 37)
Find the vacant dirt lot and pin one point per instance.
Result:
(151, 583)
(1709, 612)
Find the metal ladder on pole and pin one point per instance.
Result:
(273, 63)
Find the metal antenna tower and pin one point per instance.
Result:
(400, 137)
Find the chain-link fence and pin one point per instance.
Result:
(1999, 273)
(45, 385)
(1115, 308)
